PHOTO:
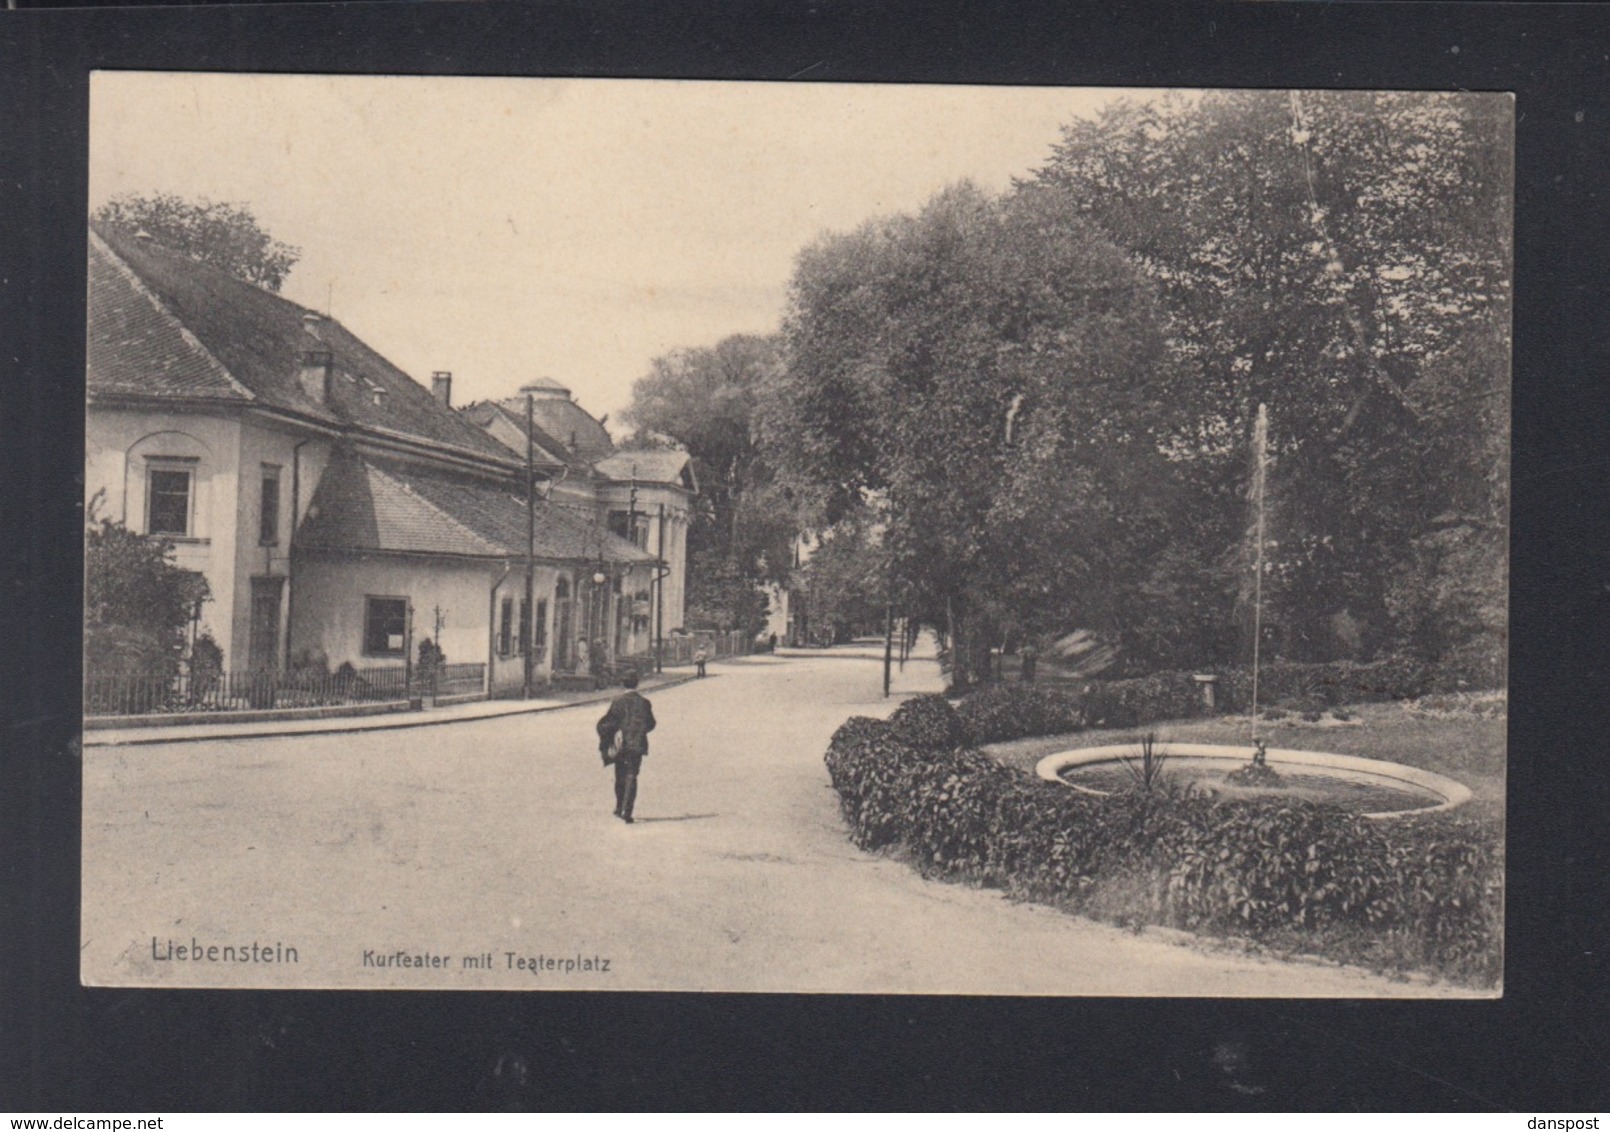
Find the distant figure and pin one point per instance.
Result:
(1029, 655)
(623, 741)
(700, 656)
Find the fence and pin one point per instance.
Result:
(680, 650)
(147, 694)
(454, 680)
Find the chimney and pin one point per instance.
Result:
(441, 385)
(313, 374)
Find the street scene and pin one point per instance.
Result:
(639, 535)
(736, 876)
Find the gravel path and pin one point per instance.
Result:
(486, 851)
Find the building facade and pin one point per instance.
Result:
(642, 496)
(340, 512)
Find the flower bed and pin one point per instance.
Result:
(1422, 895)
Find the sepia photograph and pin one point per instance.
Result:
(665, 535)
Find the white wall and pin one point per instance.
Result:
(119, 442)
(228, 453)
(263, 444)
(508, 672)
(330, 604)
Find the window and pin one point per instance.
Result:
(385, 626)
(506, 627)
(167, 499)
(630, 525)
(541, 627)
(268, 522)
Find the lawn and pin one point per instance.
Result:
(1462, 737)
(1457, 738)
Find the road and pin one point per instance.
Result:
(486, 851)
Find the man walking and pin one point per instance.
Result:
(629, 719)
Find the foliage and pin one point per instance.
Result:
(226, 235)
(137, 601)
(1015, 711)
(1345, 258)
(1422, 894)
(1146, 768)
(1001, 712)
(707, 401)
(206, 658)
(953, 365)
(721, 594)
(1310, 686)
(846, 579)
(927, 723)
(431, 661)
(1143, 700)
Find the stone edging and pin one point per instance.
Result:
(1347, 767)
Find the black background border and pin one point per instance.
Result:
(1544, 1046)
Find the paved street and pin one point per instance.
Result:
(492, 841)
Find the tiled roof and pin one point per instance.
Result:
(649, 465)
(568, 423)
(368, 504)
(136, 347)
(193, 312)
(483, 413)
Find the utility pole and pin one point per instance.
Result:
(622, 627)
(888, 625)
(530, 545)
(659, 599)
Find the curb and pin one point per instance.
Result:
(403, 720)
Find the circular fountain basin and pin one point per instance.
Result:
(1313, 774)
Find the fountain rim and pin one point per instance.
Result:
(1347, 767)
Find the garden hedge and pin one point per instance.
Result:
(1418, 893)
(997, 713)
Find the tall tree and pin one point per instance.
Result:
(226, 235)
(1321, 252)
(707, 401)
(962, 365)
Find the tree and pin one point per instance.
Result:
(969, 366)
(707, 402)
(846, 579)
(137, 601)
(226, 235)
(1320, 252)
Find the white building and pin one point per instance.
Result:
(340, 511)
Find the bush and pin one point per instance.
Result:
(1421, 893)
(1143, 700)
(1309, 687)
(1467, 670)
(927, 723)
(1000, 712)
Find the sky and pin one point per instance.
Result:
(508, 229)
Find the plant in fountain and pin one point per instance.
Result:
(1146, 769)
